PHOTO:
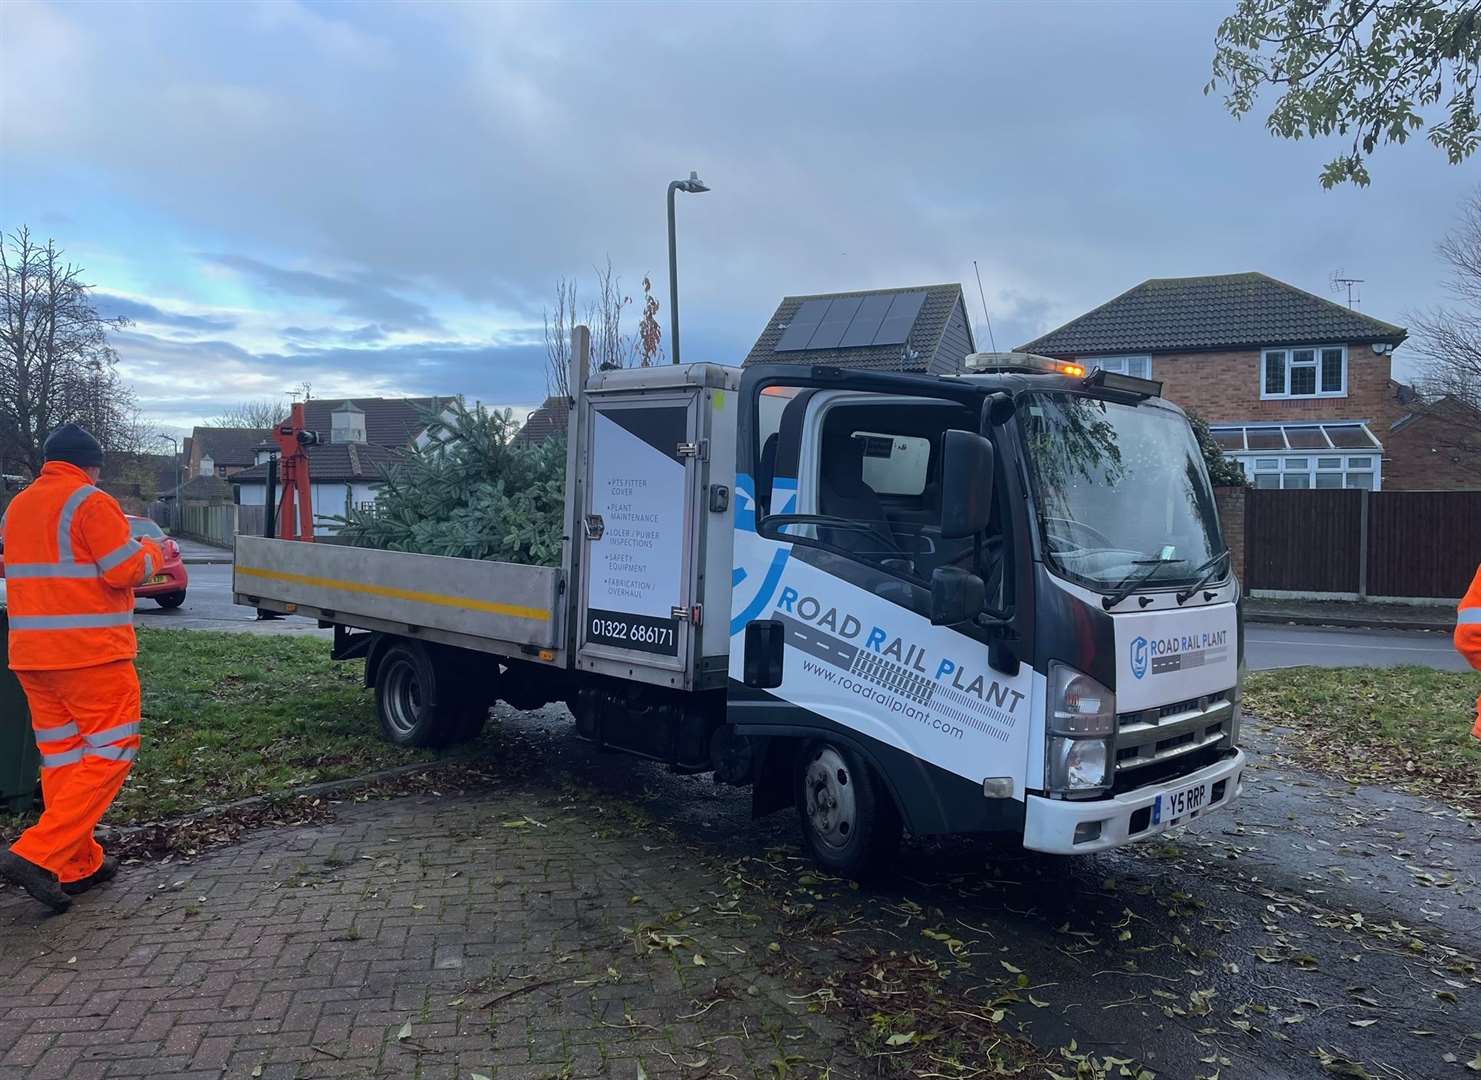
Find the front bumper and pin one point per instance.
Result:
(1051, 824)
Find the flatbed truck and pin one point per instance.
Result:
(994, 602)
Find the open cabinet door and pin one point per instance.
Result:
(637, 529)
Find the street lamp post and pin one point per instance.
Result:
(694, 185)
(175, 448)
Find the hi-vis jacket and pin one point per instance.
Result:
(1468, 635)
(70, 571)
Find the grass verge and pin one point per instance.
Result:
(1406, 727)
(228, 716)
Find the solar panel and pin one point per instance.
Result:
(901, 317)
(802, 327)
(835, 322)
(866, 321)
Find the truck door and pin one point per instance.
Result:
(838, 537)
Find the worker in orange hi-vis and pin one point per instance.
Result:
(70, 569)
(1468, 635)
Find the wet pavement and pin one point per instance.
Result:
(1313, 930)
(1312, 924)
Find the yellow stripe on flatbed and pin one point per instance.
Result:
(462, 603)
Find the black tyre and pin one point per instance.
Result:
(170, 601)
(849, 822)
(405, 697)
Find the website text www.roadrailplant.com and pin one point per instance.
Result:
(830, 674)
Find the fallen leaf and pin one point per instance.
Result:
(700, 961)
(405, 1032)
(901, 1040)
(1362, 1023)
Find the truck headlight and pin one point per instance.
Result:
(1081, 726)
(1079, 765)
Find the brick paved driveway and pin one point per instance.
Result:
(520, 936)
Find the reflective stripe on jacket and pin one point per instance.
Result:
(1468, 623)
(70, 569)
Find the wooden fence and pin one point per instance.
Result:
(1357, 544)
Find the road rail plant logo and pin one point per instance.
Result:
(1139, 657)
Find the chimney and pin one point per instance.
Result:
(347, 424)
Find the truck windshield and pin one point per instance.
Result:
(1118, 488)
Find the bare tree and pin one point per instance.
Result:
(1448, 338)
(56, 365)
(609, 347)
(558, 324)
(263, 413)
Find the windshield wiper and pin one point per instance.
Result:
(1134, 580)
(1206, 573)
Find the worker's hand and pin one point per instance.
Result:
(123, 561)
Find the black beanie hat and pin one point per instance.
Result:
(73, 444)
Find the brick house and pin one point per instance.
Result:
(1297, 389)
(221, 451)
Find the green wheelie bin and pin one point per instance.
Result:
(20, 762)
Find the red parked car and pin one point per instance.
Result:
(167, 587)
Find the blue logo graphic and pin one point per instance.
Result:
(1139, 657)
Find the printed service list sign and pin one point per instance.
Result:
(636, 568)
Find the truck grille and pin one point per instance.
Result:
(1162, 735)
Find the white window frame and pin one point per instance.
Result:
(1120, 365)
(1289, 351)
(1274, 463)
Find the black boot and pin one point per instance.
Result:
(36, 880)
(107, 872)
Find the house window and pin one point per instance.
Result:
(1137, 366)
(1304, 373)
(1306, 473)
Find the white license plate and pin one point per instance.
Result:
(1172, 805)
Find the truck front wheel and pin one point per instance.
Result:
(849, 822)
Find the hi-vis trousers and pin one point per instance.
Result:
(86, 722)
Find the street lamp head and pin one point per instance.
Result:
(694, 185)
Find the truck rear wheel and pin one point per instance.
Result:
(849, 822)
(419, 702)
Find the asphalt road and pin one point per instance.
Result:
(1277, 646)
(208, 606)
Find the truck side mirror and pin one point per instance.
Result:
(966, 484)
(956, 596)
(763, 656)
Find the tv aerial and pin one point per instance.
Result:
(1339, 283)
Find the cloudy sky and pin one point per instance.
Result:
(379, 198)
